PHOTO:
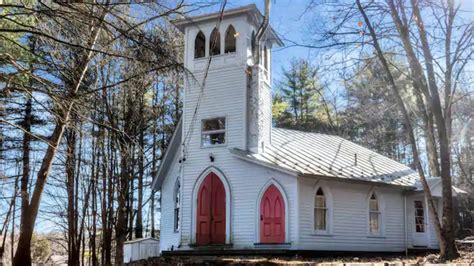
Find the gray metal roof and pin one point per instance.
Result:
(314, 154)
(170, 153)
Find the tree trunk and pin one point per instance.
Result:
(449, 251)
(25, 177)
(23, 252)
(121, 227)
(73, 248)
(408, 124)
(141, 173)
(420, 86)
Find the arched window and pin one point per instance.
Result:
(230, 41)
(200, 45)
(177, 205)
(253, 43)
(215, 42)
(374, 214)
(265, 57)
(320, 211)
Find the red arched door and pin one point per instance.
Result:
(210, 226)
(272, 217)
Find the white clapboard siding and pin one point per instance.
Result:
(168, 237)
(246, 181)
(349, 228)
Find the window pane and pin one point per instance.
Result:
(200, 45)
(213, 124)
(212, 139)
(320, 201)
(419, 217)
(373, 205)
(176, 219)
(230, 41)
(215, 43)
(418, 204)
(374, 222)
(320, 219)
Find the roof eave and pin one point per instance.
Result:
(265, 164)
(358, 181)
(158, 181)
(248, 9)
(182, 22)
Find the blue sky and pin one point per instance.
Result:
(289, 19)
(285, 18)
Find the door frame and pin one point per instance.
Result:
(270, 182)
(421, 237)
(228, 203)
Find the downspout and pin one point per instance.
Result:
(250, 69)
(405, 222)
(262, 30)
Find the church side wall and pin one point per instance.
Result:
(168, 236)
(349, 229)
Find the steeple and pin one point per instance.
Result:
(229, 54)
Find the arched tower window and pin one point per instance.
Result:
(374, 214)
(253, 43)
(230, 40)
(177, 205)
(215, 42)
(320, 211)
(200, 45)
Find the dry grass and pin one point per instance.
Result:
(467, 258)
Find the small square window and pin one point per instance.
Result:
(213, 132)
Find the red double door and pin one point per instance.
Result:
(272, 217)
(211, 211)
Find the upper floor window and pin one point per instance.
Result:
(320, 211)
(230, 40)
(419, 217)
(215, 42)
(177, 205)
(200, 45)
(213, 131)
(374, 215)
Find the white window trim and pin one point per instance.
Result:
(381, 211)
(329, 211)
(214, 131)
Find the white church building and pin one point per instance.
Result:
(230, 180)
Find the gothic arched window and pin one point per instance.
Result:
(177, 205)
(200, 45)
(320, 211)
(215, 43)
(230, 40)
(374, 215)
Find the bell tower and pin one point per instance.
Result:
(227, 97)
